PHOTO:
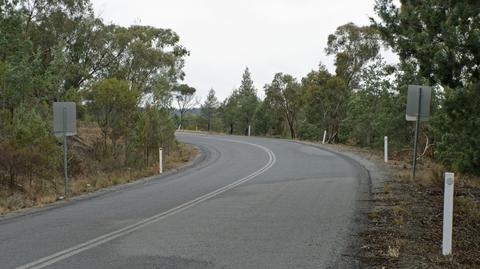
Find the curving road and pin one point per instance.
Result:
(247, 203)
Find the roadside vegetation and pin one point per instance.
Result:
(122, 79)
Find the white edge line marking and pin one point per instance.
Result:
(64, 254)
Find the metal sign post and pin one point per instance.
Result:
(418, 109)
(417, 130)
(65, 148)
(64, 124)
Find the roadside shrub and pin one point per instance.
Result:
(458, 130)
(28, 151)
(309, 131)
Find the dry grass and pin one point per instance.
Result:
(405, 224)
(90, 134)
(39, 194)
(185, 153)
(181, 156)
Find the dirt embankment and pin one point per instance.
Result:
(404, 224)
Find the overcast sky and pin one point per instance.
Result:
(225, 36)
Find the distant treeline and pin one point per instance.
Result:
(438, 44)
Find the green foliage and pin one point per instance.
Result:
(263, 119)
(353, 47)
(457, 128)
(113, 104)
(374, 110)
(154, 129)
(58, 50)
(442, 41)
(209, 109)
(238, 110)
(27, 148)
(230, 112)
(186, 100)
(441, 36)
(247, 101)
(326, 102)
(309, 131)
(284, 95)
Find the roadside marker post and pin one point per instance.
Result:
(324, 136)
(448, 214)
(65, 124)
(385, 154)
(249, 129)
(160, 160)
(418, 109)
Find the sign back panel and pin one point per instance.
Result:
(64, 118)
(412, 102)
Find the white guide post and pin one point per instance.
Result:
(249, 129)
(160, 160)
(324, 136)
(448, 214)
(385, 154)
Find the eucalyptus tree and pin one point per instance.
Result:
(186, 100)
(113, 103)
(353, 47)
(284, 94)
(326, 97)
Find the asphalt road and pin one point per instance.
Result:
(248, 203)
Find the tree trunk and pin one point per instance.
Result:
(292, 131)
(104, 144)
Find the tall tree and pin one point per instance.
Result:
(229, 111)
(441, 38)
(149, 53)
(263, 118)
(353, 46)
(113, 103)
(326, 102)
(186, 100)
(209, 108)
(284, 93)
(247, 100)
(374, 110)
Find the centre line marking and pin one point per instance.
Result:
(64, 254)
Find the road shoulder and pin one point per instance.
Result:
(371, 181)
(402, 227)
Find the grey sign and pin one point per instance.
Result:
(413, 102)
(64, 118)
